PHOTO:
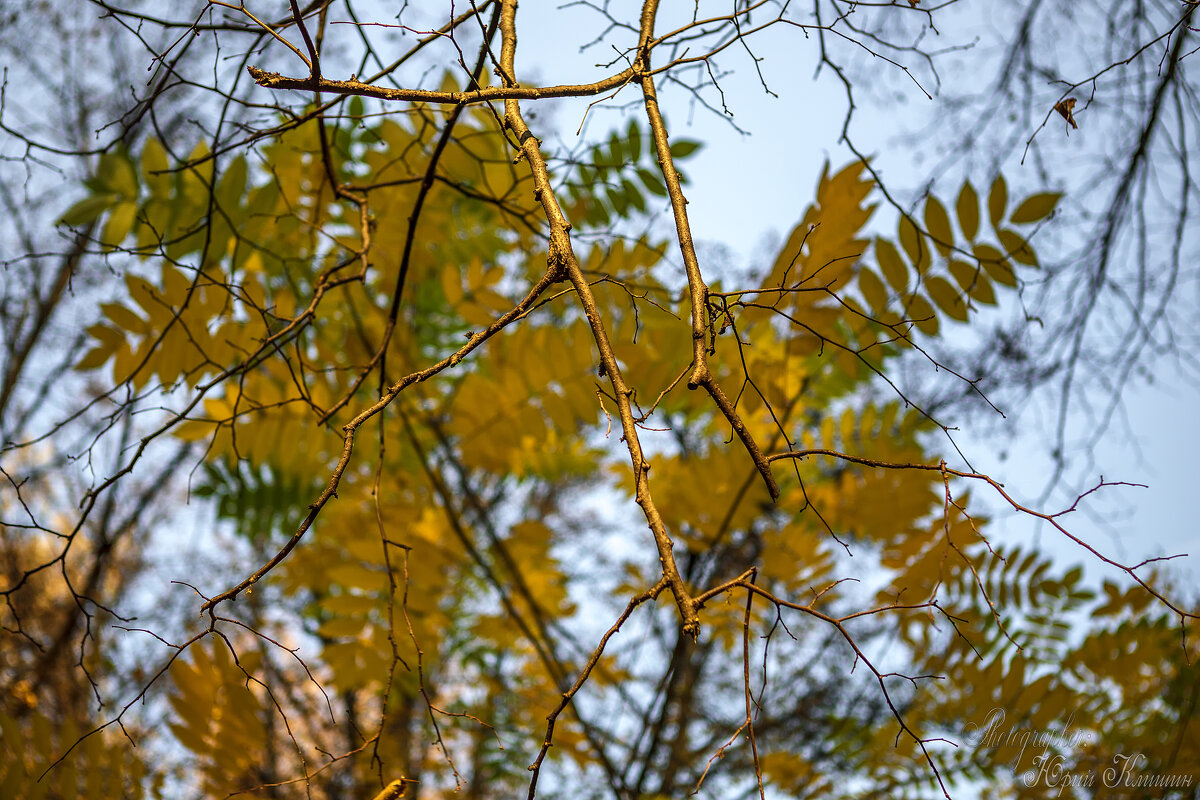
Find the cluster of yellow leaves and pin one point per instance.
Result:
(219, 717)
(102, 767)
(179, 329)
(398, 566)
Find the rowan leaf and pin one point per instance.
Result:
(1016, 247)
(994, 263)
(873, 290)
(997, 200)
(914, 245)
(891, 264)
(967, 209)
(937, 222)
(116, 174)
(154, 167)
(652, 181)
(124, 318)
(232, 187)
(947, 298)
(921, 312)
(633, 138)
(967, 275)
(89, 209)
(682, 148)
(1035, 207)
(120, 223)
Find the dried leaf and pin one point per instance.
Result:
(1065, 108)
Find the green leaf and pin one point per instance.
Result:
(997, 200)
(937, 222)
(603, 160)
(116, 174)
(967, 209)
(1035, 207)
(633, 195)
(616, 149)
(652, 181)
(682, 148)
(89, 209)
(633, 136)
(616, 199)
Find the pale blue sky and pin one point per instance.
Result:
(746, 193)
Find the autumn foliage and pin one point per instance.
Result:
(444, 438)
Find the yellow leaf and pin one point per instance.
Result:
(921, 312)
(967, 209)
(994, 263)
(873, 290)
(154, 217)
(493, 301)
(253, 293)
(196, 181)
(154, 169)
(341, 628)
(143, 293)
(123, 365)
(124, 318)
(997, 200)
(120, 223)
(914, 245)
(93, 358)
(967, 275)
(937, 222)
(175, 284)
(231, 189)
(1035, 207)
(1017, 247)
(982, 291)
(893, 267)
(848, 425)
(176, 355)
(828, 434)
(127, 360)
(452, 285)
